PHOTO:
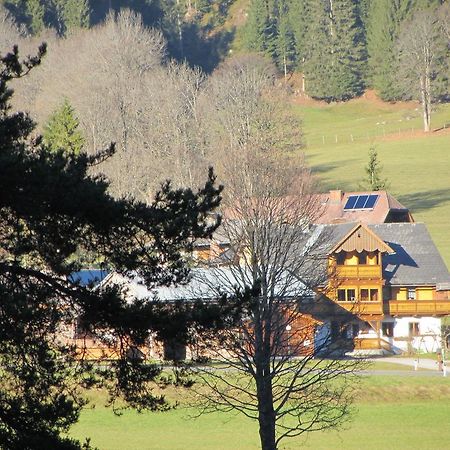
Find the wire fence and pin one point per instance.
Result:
(387, 132)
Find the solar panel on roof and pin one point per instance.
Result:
(351, 202)
(371, 201)
(362, 199)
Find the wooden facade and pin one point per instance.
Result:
(357, 284)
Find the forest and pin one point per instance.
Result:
(140, 73)
(340, 47)
(164, 80)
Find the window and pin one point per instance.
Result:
(362, 258)
(368, 295)
(411, 294)
(374, 295)
(414, 329)
(387, 328)
(340, 258)
(346, 295)
(364, 295)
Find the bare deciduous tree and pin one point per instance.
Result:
(444, 18)
(10, 34)
(274, 262)
(116, 77)
(422, 54)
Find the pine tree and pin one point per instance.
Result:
(373, 181)
(348, 49)
(299, 17)
(62, 130)
(336, 51)
(71, 14)
(261, 29)
(316, 66)
(285, 46)
(51, 207)
(28, 12)
(384, 21)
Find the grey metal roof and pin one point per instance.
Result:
(416, 260)
(206, 284)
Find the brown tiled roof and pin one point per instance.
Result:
(334, 212)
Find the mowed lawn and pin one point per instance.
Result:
(393, 412)
(416, 165)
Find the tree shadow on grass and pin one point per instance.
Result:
(328, 166)
(422, 201)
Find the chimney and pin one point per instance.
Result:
(336, 197)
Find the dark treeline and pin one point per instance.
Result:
(190, 27)
(340, 46)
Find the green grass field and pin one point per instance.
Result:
(416, 165)
(392, 412)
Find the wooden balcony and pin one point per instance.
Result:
(363, 308)
(419, 307)
(358, 272)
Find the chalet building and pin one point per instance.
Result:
(387, 286)
(383, 268)
(392, 278)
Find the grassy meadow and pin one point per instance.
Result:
(422, 403)
(417, 165)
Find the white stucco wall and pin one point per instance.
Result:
(428, 340)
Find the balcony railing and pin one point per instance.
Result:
(360, 271)
(419, 307)
(362, 307)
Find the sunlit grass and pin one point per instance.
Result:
(391, 412)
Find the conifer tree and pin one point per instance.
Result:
(316, 67)
(334, 63)
(50, 208)
(285, 47)
(62, 130)
(373, 180)
(71, 14)
(299, 15)
(29, 12)
(260, 30)
(383, 26)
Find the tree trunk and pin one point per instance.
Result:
(425, 99)
(266, 416)
(266, 413)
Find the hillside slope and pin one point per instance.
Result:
(417, 165)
